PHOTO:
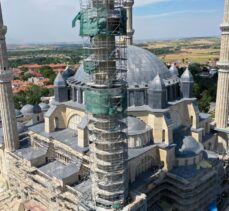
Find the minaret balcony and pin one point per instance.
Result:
(224, 27)
(6, 76)
(223, 65)
(3, 30)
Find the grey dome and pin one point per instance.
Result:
(191, 146)
(187, 76)
(18, 113)
(44, 106)
(173, 70)
(27, 109)
(135, 124)
(59, 81)
(143, 66)
(20, 127)
(68, 72)
(157, 84)
(36, 109)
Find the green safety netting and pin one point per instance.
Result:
(94, 21)
(102, 102)
(90, 66)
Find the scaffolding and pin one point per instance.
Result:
(102, 25)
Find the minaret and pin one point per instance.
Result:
(9, 124)
(106, 100)
(129, 12)
(222, 102)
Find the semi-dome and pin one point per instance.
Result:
(190, 146)
(139, 134)
(142, 65)
(135, 124)
(44, 106)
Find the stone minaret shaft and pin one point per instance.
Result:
(9, 124)
(222, 102)
(130, 31)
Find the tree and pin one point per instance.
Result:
(31, 96)
(204, 102)
(48, 72)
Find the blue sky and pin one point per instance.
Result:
(49, 21)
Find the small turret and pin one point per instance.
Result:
(186, 84)
(173, 70)
(157, 93)
(60, 89)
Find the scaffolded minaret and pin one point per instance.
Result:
(9, 124)
(103, 22)
(222, 102)
(130, 31)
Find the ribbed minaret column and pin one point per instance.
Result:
(222, 102)
(130, 31)
(9, 124)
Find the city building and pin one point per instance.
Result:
(123, 133)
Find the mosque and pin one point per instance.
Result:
(175, 156)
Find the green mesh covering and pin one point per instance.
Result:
(101, 102)
(89, 66)
(94, 22)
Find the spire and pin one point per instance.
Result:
(222, 99)
(173, 69)
(1, 17)
(157, 84)
(226, 12)
(187, 76)
(59, 81)
(3, 53)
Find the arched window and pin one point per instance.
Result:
(74, 122)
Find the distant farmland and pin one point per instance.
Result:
(199, 50)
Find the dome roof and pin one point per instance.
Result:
(30, 109)
(27, 109)
(68, 72)
(44, 106)
(187, 76)
(143, 66)
(18, 113)
(36, 109)
(157, 84)
(59, 81)
(190, 146)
